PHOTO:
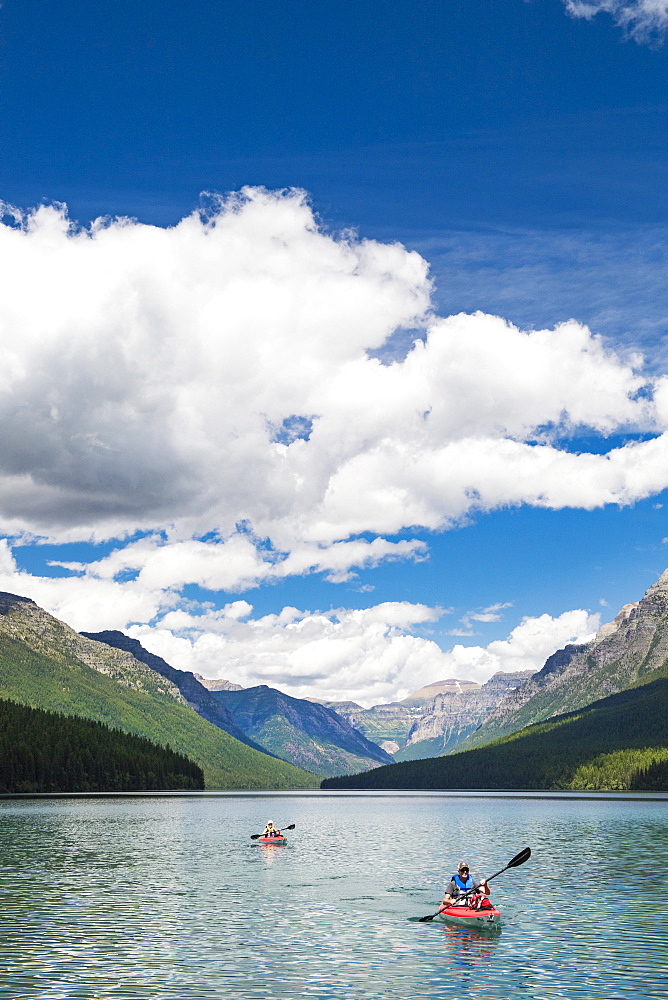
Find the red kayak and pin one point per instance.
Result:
(477, 912)
(272, 840)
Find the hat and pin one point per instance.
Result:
(463, 864)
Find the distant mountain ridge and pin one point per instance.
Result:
(617, 742)
(306, 733)
(595, 716)
(453, 685)
(450, 717)
(433, 719)
(217, 684)
(381, 723)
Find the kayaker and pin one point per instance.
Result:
(461, 882)
(271, 831)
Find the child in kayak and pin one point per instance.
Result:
(271, 831)
(460, 883)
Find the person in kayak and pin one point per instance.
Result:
(271, 831)
(460, 883)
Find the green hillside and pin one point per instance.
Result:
(60, 681)
(48, 752)
(304, 732)
(619, 742)
(317, 755)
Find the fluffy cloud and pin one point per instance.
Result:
(85, 603)
(370, 656)
(645, 20)
(239, 562)
(219, 388)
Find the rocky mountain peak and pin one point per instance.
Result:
(12, 602)
(218, 684)
(452, 685)
(450, 716)
(659, 589)
(611, 627)
(630, 650)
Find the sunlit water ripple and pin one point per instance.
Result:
(156, 898)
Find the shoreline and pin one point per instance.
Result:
(612, 796)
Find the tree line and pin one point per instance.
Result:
(43, 751)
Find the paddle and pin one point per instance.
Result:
(254, 836)
(518, 860)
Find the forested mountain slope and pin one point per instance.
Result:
(618, 742)
(46, 664)
(49, 752)
(304, 732)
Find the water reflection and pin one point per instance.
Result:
(167, 899)
(270, 853)
(471, 947)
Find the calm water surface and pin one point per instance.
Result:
(166, 898)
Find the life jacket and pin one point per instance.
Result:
(461, 884)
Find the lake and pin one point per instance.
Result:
(166, 897)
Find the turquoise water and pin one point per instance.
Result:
(156, 898)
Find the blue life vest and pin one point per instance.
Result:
(461, 884)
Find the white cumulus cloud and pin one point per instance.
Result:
(218, 388)
(370, 656)
(645, 20)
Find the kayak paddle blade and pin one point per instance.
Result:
(520, 858)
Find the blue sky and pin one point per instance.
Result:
(220, 433)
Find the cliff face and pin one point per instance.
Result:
(391, 723)
(383, 723)
(452, 685)
(631, 650)
(450, 717)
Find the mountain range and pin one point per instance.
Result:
(292, 729)
(595, 716)
(390, 724)
(619, 742)
(449, 717)
(260, 737)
